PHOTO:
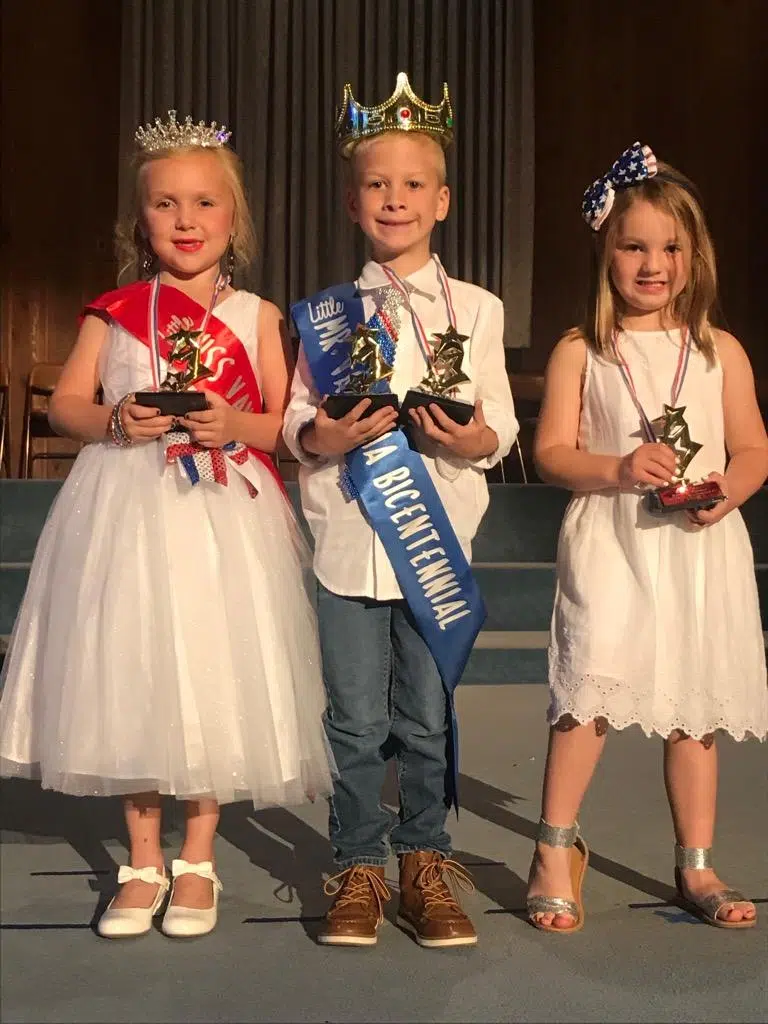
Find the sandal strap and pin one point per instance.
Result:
(150, 875)
(551, 905)
(712, 905)
(556, 835)
(204, 869)
(696, 857)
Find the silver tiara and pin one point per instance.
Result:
(171, 135)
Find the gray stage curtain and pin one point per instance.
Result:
(274, 70)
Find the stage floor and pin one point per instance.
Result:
(639, 958)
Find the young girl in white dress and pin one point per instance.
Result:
(656, 619)
(165, 644)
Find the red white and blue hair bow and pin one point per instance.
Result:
(633, 166)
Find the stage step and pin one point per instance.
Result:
(514, 562)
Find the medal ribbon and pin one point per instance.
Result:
(195, 461)
(677, 382)
(153, 330)
(421, 334)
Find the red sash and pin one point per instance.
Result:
(222, 351)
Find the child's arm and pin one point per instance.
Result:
(745, 436)
(73, 411)
(559, 460)
(310, 433)
(221, 423)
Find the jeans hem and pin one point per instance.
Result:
(349, 862)
(400, 848)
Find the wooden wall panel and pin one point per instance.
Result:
(58, 180)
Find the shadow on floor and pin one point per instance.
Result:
(291, 851)
(489, 802)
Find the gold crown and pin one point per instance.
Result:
(403, 111)
(171, 135)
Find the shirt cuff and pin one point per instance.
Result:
(506, 428)
(292, 438)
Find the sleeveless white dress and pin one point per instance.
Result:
(166, 641)
(656, 621)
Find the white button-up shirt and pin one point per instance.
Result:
(349, 557)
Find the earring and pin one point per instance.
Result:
(147, 262)
(228, 261)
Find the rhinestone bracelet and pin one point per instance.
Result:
(115, 428)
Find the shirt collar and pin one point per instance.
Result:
(423, 282)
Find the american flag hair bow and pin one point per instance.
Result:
(633, 166)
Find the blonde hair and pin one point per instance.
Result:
(130, 245)
(366, 143)
(673, 193)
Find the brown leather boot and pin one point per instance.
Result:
(357, 911)
(428, 909)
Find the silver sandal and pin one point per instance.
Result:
(707, 908)
(553, 835)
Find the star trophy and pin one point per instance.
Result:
(185, 369)
(442, 380)
(672, 429)
(369, 375)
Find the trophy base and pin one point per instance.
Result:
(173, 403)
(685, 496)
(458, 411)
(339, 405)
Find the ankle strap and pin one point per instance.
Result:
(204, 869)
(151, 875)
(699, 857)
(556, 835)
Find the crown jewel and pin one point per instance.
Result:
(171, 135)
(403, 111)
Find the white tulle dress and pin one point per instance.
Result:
(656, 621)
(166, 641)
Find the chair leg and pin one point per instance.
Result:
(25, 441)
(5, 462)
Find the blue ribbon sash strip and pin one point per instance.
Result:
(402, 505)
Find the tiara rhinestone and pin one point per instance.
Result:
(171, 134)
(403, 111)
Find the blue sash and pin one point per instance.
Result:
(401, 503)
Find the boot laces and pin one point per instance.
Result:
(431, 879)
(358, 884)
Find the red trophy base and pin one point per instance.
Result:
(685, 495)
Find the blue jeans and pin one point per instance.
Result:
(385, 698)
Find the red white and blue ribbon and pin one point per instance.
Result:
(421, 335)
(194, 461)
(153, 331)
(633, 166)
(198, 463)
(677, 382)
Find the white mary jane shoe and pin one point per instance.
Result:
(189, 922)
(128, 922)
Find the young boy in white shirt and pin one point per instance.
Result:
(393, 512)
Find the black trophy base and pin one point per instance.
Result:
(339, 405)
(684, 496)
(173, 403)
(454, 408)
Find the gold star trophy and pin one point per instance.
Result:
(369, 373)
(671, 429)
(185, 369)
(443, 378)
